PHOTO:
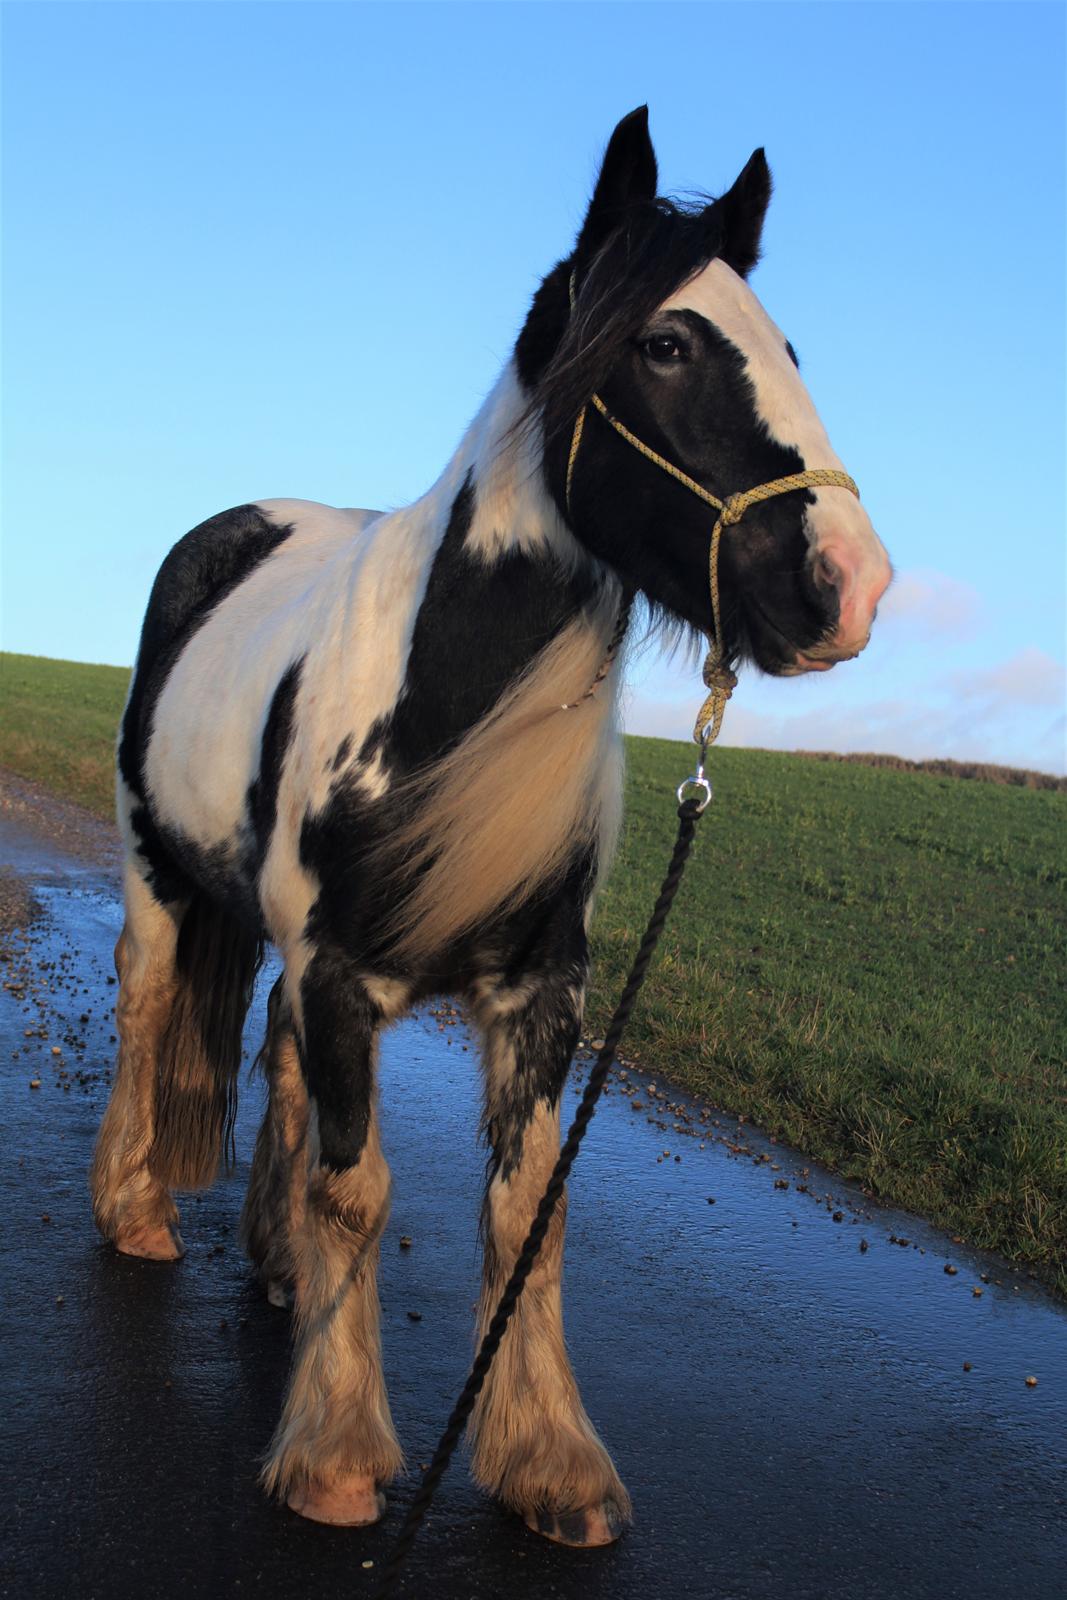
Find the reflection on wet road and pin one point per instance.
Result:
(800, 1397)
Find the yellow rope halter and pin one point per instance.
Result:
(718, 678)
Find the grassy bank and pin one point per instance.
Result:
(868, 962)
(58, 721)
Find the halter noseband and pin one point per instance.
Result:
(719, 680)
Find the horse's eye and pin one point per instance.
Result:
(661, 347)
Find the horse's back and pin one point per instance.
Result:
(342, 520)
(217, 555)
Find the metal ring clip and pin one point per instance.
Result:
(698, 780)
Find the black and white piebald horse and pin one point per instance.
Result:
(370, 739)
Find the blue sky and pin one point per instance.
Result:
(283, 249)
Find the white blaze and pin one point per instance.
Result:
(839, 530)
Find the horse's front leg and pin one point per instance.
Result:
(534, 1446)
(335, 1444)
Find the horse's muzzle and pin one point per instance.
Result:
(850, 577)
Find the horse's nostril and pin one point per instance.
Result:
(827, 572)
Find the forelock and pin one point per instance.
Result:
(659, 246)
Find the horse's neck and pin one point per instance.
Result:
(512, 509)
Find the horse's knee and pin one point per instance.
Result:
(345, 1215)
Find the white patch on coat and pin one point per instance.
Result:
(838, 528)
(371, 776)
(126, 803)
(390, 995)
(513, 509)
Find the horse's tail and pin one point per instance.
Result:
(217, 961)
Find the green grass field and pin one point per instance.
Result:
(867, 962)
(58, 721)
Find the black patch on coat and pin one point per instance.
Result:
(184, 867)
(168, 881)
(547, 951)
(262, 799)
(337, 1053)
(375, 740)
(479, 627)
(199, 572)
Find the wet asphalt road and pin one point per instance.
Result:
(790, 1412)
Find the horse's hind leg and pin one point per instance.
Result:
(534, 1446)
(274, 1204)
(335, 1443)
(130, 1203)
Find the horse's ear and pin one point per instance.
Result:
(740, 213)
(628, 175)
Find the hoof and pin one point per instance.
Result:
(151, 1242)
(350, 1502)
(592, 1526)
(279, 1294)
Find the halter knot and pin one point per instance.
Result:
(718, 676)
(733, 510)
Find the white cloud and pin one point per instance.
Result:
(939, 679)
(1028, 678)
(930, 603)
(926, 723)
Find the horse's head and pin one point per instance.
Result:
(652, 313)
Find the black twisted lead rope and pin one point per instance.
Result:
(688, 816)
